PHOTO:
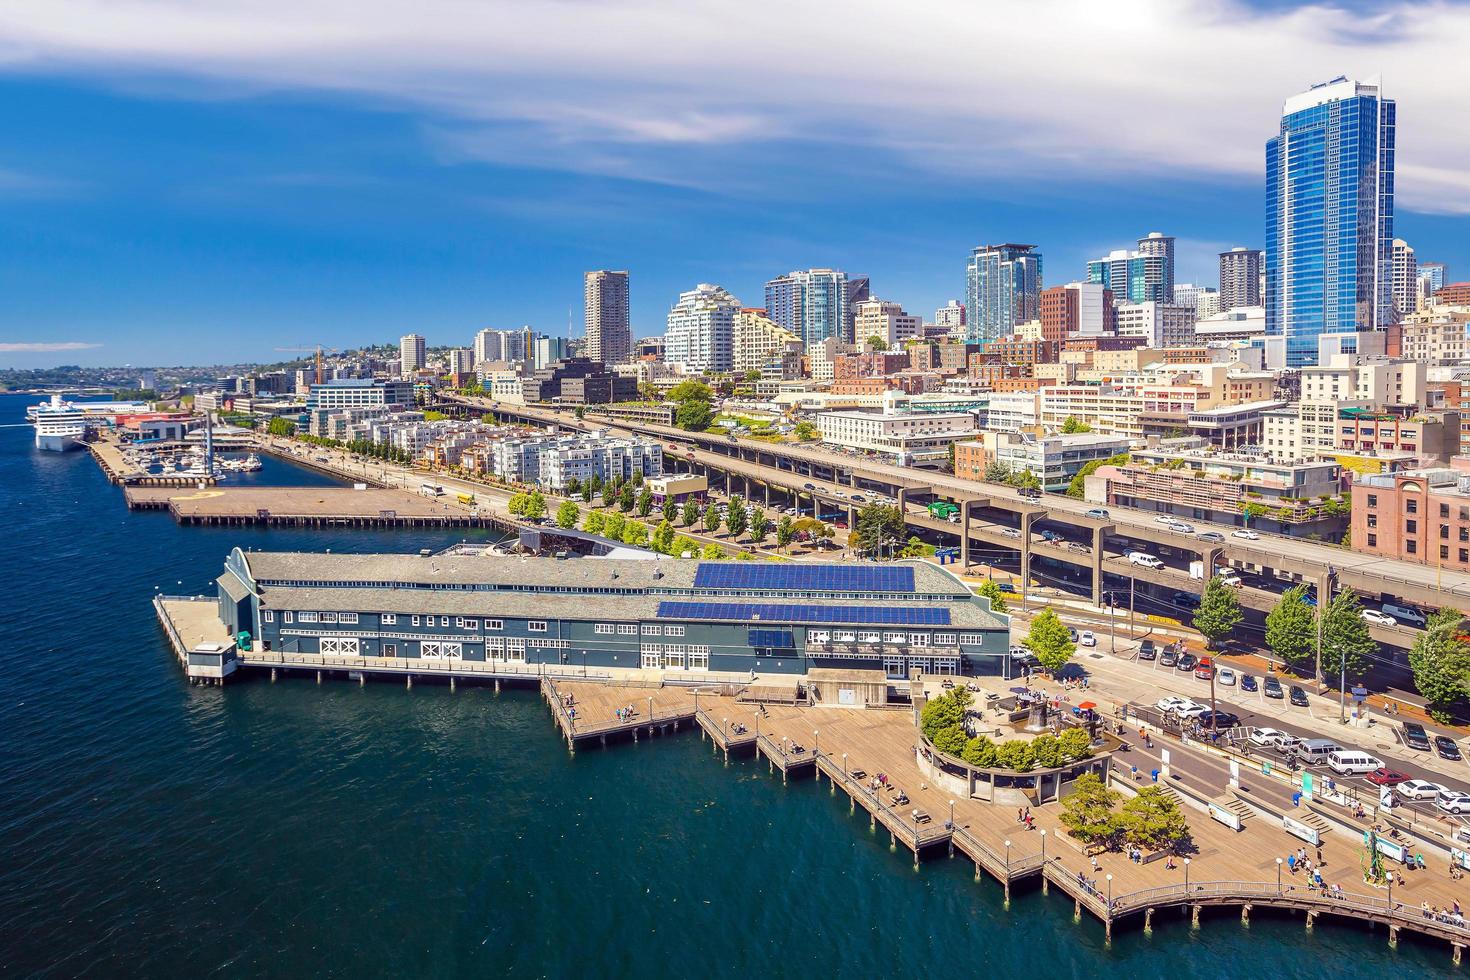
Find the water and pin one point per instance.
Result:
(151, 828)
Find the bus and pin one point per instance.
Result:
(431, 490)
(468, 499)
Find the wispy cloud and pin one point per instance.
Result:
(45, 347)
(650, 90)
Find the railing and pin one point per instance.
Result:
(266, 658)
(891, 818)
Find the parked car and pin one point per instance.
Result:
(1168, 658)
(1146, 650)
(1447, 748)
(1226, 676)
(1245, 534)
(1072, 634)
(1378, 618)
(1098, 513)
(1218, 720)
(1415, 737)
(1248, 683)
(1453, 801)
(1186, 662)
(1192, 712)
(1271, 687)
(1419, 789)
(1383, 776)
(1205, 669)
(1298, 696)
(1214, 537)
(1172, 702)
(1265, 736)
(1087, 638)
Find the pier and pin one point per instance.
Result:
(308, 507)
(119, 472)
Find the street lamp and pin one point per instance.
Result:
(1008, 860)
(1110, 893)
(816, 747)
(1278, 876)
(650, 707)
(844, 765)
(724, 724)
(1043, 847)
(1186, 876)
(951, 814)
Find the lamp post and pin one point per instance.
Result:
(844, 765)
(1043, 847)
(1186, 876)
(1110, 893)
(1008, 860)
(650, 707)
(951, 814)
(724, 724)
(816, 746)
(1278, 876)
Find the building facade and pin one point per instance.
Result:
(1240, 278)
(411, 356)
(609, 330)
(886, 321)
(701, 331)
(1405, 280)
(1420, 516)
(815, 304)
(1329, 216)
(1076, 309)
(759, 340)
(911, 436)
(1003, 290)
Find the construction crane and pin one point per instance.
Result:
(318, 348)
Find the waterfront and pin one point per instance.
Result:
(153, 828)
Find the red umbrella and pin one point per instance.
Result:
(1087, 705)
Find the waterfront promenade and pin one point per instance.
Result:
(308, 507)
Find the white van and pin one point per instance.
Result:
(1144, 559)
(1407, 615)
(1352, 762)
(1313, 751)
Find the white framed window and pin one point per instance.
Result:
(651, 629)
(699, 658)
(627, 629)
(350, 618)
(328, 617)
(515, 648)
(919, 639)
(389, 619)
(604, 628)
(308, 617)
(495, 645)
(870, 636)
(536, 626)
(339, 646)
(286, 616)
(650, 660)
(674, 659)
(895, 637)
(495, 624)
(459, 622)
(440, 650)
(818, 636)
(673, 631)
(472, 624)
(267, 616)
(971, 638)
(416, 621)
(944, 639)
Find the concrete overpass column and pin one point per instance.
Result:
(1027, 519)
(1099, 552)
(965, 535)
(903, 500)
(1210, 556)
(767, 486)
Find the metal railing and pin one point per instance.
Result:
(895, 821)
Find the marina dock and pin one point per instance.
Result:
(307, 507)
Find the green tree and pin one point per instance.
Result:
(516, 505)
(1074, 425)
(613, 526)
(877, 526)
(635, 534)
(991, 590)
(609, 494)
(876, 343)
(1047, 749)
(980, 751)
(1345, 637)
(1016, 755)
(1291, 629)
(625, 498)
(805, 431)
(1253, 512)
(432, 416)
(567, 515)
(711, 519)
(684, 544)
(645, 502)
(1024, 480)
(951, 740)
(574, 487)
(694, 416)
(595, 521)
(736, 519)
(712, 552)
(760, 525)
(670, 509)
(281, 427)
(1088, 812)
(636, 479)
(588, 492)
(1219, 612)
(691, 391)
(691, 512)
(535, 506)
(1152, 820)
(1440, 660)
(663, 537)
(941, 712)
(1049, 641)
(997, 472)
(785, 531)
(1075, 743)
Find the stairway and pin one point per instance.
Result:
(1238, 808)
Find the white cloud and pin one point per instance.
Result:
(1043, 89)
(45, 348)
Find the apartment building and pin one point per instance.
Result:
(911, 436)
(1420, 516)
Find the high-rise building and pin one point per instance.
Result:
(1240, 278)
(814, 304)
(1078, 308)
(1329, 216)
(759, 340)
(609, 329)
(489, 346)
(548, 350)
(1405, 280)
(1430, 281)
(880, 318)
(1136, 277)
(410, 354)
(951, 315)
(461, 361)
(1003, 290)
(1162, 245)
(859, 290)
(701, 333)
(1203, 300)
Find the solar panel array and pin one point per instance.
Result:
(783, 577)
(767, 612)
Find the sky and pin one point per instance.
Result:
(186, 183)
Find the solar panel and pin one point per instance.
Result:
(751, 576)
(767, 612)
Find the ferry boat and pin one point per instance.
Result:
(62, 425)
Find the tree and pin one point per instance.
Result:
(535, 506)
(877, 525)
(736, 519)
(996, 472)
(1440, 660)
(1253, 512)
(785, 531)
(567, 515)
(648, 391)
(711, 519)
(1016, 755)
(635, 534)
(432, 416)
(1074, 425)
(595, 521)
(663, 537)
(1152, 820)
(625, 498)
(760, 525)
(636, 479)
(980, 751)
(694, 415)
(574, 487)
(951, 740)
(516, 505)
(941, 712)
(1075, 743)
(645, 502)
(1345, 637)
(876, 343)
(1219, 612)
(613, 526)
(691, 512)
(281, 427)
(588, 492)
(1047, 749)
(806, 431)
(1291, 629)
(1025, 480)
(991, 590)
(609, 494)
(712, 552)
(1049, 641)
(1088, 812)
(670, 509)
(691, 391)
(683, 545)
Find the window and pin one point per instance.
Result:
(699, 658)
(536, 626)
(1372, 540)
(308, 617)
(515, 648)
(673, 631)
(919, 639)
(286, 616)
(1372, 500)
(627, 629)
(267, 616)
(1372, 520)
(1412, 547)
(416, 621)
(1444, 531)
(1444, 551)
(495, 624)
(1411, 506)
(1464, 555)
(435, 650)
(328, 617)
(650, 660)
(895, 637)
(818, 636)
(389, 619)
(649, 629)
(1411, 527)
(1444, 510)
(472, 624)
(971, 639)
(338, 646)
(604, 628)
(459, 622)
(944, 639)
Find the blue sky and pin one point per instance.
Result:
(172, 193)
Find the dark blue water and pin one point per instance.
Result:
(148, 828)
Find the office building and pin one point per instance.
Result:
(1453, 294)
(951, 315)
(1431, 281)
(1240, 278)
(1405, 280)
(912, 437)
(1204, 301)
(359, 393)
(1159, 324)
(1053, 459)
(1076, 309)
(609, 330)
(1420, 516)
(760, 341)
(886, 321)
(489, 346)
(1329, 216)
(1142, 276)
(1003, 290)
(701, 332)
(1156, 243)
(411, 355)
(578, 381)
(815, 304)
(548, 350)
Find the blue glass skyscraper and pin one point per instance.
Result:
(1329, 216)
(1003, 290)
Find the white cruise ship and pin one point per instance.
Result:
(62, 425)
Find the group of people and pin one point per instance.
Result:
(625, 713)
(1451, 915)
(1023, 816)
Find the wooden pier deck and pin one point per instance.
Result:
(307, 507)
